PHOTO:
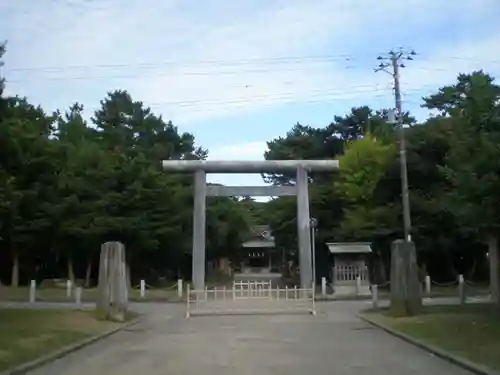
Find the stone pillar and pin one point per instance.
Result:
(199, 230)
(112, 298)
(303, 229)
(406, 296)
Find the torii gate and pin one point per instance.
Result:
(200, 168)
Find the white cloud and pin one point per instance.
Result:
(186, 34)
(240, 151)
(441, 69)
(164, 52)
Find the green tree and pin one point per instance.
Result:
(472, 162)
(78, 201)
(27, 156)
(364, 162)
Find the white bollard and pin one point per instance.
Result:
(33, 291)
(143, 288)
(286, 292)
(179, 288)
(427, 285)
(375, 296)
(358, 285)
(68, 288)
(78, 295)
(323, 286)
(461, 289)
(295, 292)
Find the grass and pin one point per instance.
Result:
(55, 294)
(51, 293)
(28, 334)
(469, 331)
(447, 291)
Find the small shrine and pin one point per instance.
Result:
(350, 274)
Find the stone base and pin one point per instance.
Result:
(406, 296)
(350, 290)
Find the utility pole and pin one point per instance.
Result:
(393, 61)
(313, 223)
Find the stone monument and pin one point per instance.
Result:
(406, 298)
(112, 290)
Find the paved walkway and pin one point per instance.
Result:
(333, 342)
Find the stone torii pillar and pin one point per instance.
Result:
(201, 167)
(303, 229)
(199, 229)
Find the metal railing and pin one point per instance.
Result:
(251, 289)
(250, 300)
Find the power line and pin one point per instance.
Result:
(234, 62)
(251, 104)
(279, 60)
(181, 74)
(282, 95)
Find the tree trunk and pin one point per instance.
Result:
(88, 273)
(494, 269)
(15, 269)
(71, 272)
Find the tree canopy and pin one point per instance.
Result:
(71, 180)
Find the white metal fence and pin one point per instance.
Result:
(251, 289)
(250, 298)
(349, 273)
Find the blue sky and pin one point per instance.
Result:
(239, 73)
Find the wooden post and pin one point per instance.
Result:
(143, 288)
(375, 296)
(179, 288)
(461, 289)
(78, 296)
(188, 311)
(427, 285)
(68, 288)
(33, 291)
